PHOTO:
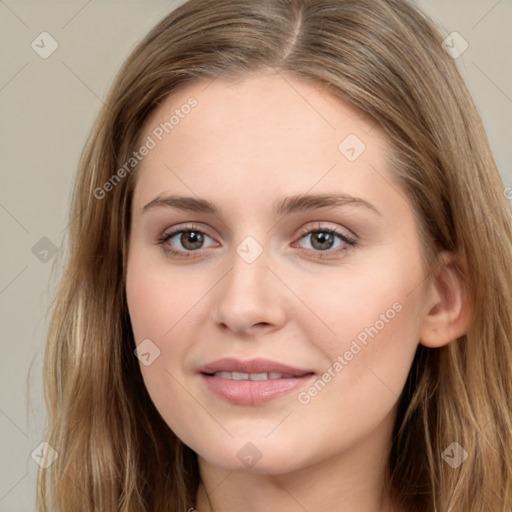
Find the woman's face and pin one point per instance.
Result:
(275, 280)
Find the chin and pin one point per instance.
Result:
(259, 456)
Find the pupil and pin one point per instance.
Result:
(192, 240)
(322, 240)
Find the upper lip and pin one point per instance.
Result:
(229, 364)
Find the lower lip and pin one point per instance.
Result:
(253, 392)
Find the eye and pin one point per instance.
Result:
(325, 240)
(184, 240)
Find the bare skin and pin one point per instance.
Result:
(303, 301)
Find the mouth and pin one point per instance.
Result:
(253, 382)
(253, 376)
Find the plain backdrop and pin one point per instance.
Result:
(47, 107)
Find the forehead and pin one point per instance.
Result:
(260, 132)
(259, 103)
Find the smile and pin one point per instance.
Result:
(252, 382)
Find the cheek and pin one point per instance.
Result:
(164, 309)
(157, 300)
(152, 307)
(362, 384)
(373, 315)
(372, 304)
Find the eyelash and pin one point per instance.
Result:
(348, 242)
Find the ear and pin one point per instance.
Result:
(448, 310)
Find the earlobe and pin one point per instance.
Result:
(447, 311)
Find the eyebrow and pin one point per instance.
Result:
(283, 207)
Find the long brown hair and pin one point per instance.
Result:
(384, 57)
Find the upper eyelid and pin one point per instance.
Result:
(172, 232)
(184, 227)
(324, 225)
(320, 225)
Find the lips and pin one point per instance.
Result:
(253, 376)
(253, 366)
(252, 382)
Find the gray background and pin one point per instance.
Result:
(47, 108)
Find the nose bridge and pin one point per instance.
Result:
(250, 294)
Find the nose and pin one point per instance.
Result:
(250, 299)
